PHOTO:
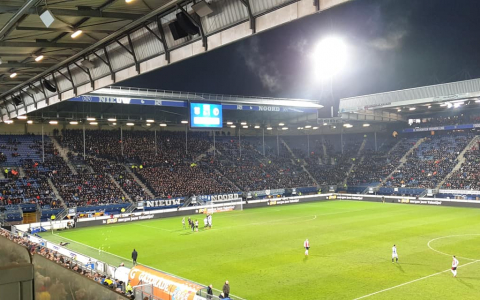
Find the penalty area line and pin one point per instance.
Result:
(412, 281)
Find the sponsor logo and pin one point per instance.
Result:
(127, 219)
(168, 202)
(225, 197)
(216, 209)
(342, 197)
(286, 201)
(425, 202)
(269, 108)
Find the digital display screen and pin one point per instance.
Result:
(206, 115)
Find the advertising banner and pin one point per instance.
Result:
(211, 210)
(127, 219)
(165, 287)
(283, 201)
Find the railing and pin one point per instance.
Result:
(129, 91)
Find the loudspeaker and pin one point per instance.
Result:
(17, 100)
(49, 86)
(186, 24)
(177, 31)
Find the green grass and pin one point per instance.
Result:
(260, 251)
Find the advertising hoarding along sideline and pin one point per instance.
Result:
(165, 287)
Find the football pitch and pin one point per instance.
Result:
(260, 251)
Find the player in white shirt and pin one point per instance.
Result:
(454, 266)
(306, 245)
(209, 219)
(394, 253)
(183, 223)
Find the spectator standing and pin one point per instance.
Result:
(226, 289)
(134, 257)
(209, 292)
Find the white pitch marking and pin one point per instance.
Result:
(447, 236)
(422, 278)
(96, 249)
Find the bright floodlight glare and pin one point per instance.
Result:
(29, 122)
(8, 122)
(73, 122)
(315, 127)
(184, 122)
(330, 57)
(13, 75)
(39, 58)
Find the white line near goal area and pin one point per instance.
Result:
(422, 278)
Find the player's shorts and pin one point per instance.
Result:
(394, 255)
(307, 248)
(454, 268)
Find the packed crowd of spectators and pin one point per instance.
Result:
(377, 165)
(27, 190)
(119, 173)
(468, 176)
(49, 284)
(428, 165)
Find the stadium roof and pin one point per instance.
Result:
(396, 105)
(120, 40)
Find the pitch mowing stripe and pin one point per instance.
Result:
(422, 278)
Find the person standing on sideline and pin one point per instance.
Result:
(134, 257)
(306, 245)
(209, 292)
(183, 222)
(454, 266)
(394, 253)
(226, 289)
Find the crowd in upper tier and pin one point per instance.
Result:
(140, 165)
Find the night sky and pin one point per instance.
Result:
(392, 45)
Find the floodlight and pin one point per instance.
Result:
(13, 75)
(315, 127)
(8, 122)
(245, 126)
(184, 122)
(130, 124)
(150, 121)
(39, 58)
(232, 126)
(111, 120)
(243, 123)
(412, 108)
(308, 126)
(53, 122)
(229, 123)
(269, 128)
(29, 122)
(22, 117)
(330, 57)
(93, 123)
(366, 125)
(284, 128)
(281, 124)
(257, 126)
(76, 34)
(73, 122)
(163, 125)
